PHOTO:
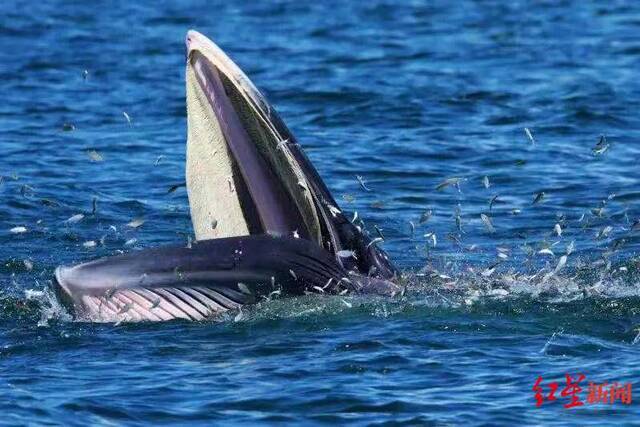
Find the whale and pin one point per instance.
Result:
(264, 221)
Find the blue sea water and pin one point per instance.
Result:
(406, 95)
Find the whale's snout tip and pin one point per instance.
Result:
(191, 39)
(188, 38)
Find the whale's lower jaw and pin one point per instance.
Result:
(265, 222)
(204, 280)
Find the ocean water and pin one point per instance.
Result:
(423, 100)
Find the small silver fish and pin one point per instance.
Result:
(75, 218)
(274, 293)
(546, 251)
(485, 182)
(135, 223)
(334, 211)
(601, 146)
(94, 156)
(374, 241)
(449, 181)
(433, 238)
(604, 232)
(362, 183)
(493, 200)
(487, 223)
(529, 135)
(558, 230)
(571, 247)
(539, 197)
(426, 215)
(346, 254)
(561, 263)
(599, 212)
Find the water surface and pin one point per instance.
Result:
(405, 96)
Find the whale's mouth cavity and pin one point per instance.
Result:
(241, 178)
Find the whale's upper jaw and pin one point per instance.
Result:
(240, 171)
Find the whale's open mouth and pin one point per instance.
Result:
(262, 216)
(241, 175)
(246, 173)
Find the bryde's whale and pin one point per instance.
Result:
(264, 220)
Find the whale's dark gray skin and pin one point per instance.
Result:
(210, 277)
(280, 233)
